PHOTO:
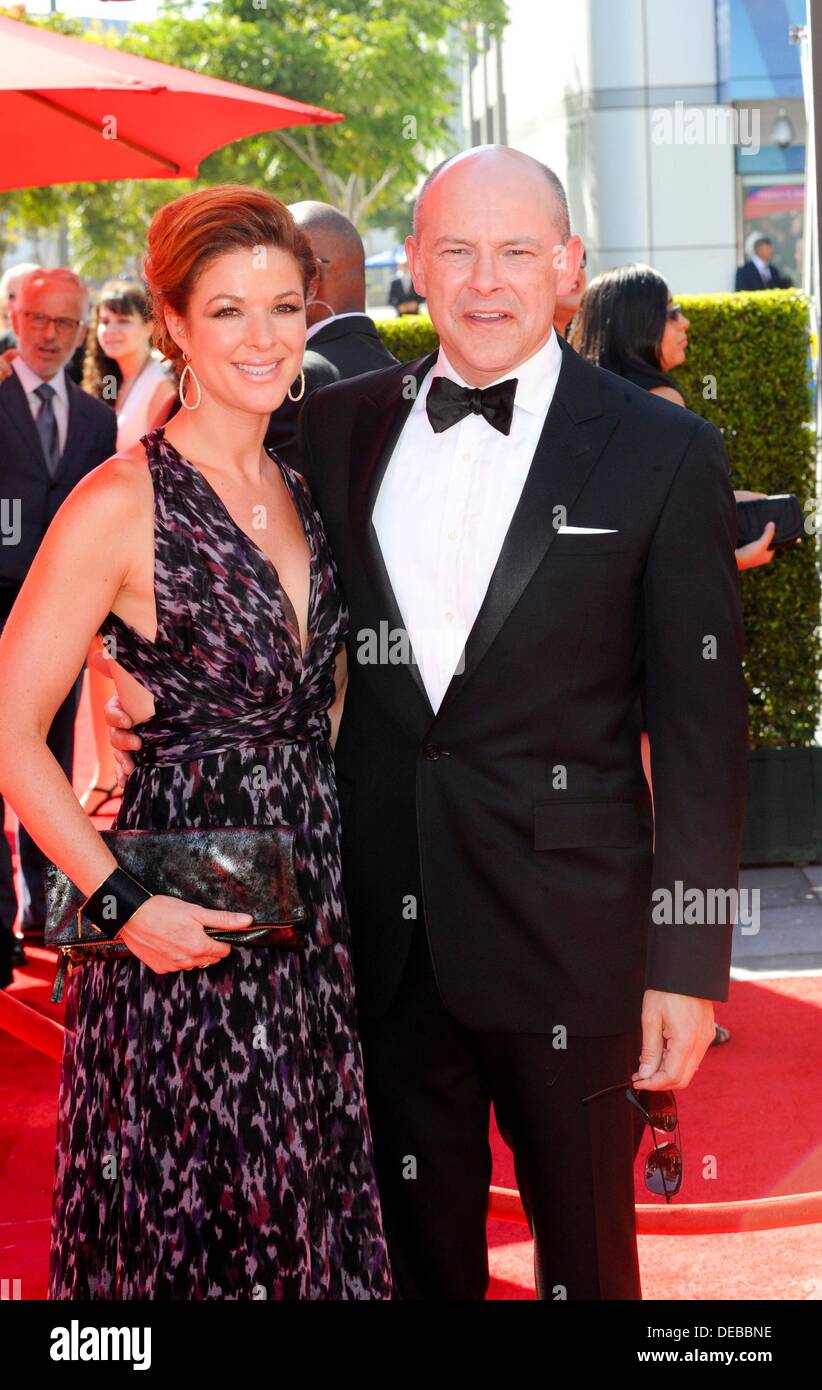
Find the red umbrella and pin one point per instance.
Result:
(74, 111)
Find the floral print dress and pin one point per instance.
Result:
(213, 1138)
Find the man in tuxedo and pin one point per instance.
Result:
(402, 294)
(760, 273)
(342, 339)
(530, 547)
(51, 435)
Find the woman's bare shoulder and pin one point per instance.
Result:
(114, 492)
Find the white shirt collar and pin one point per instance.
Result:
(334, 318)
(536, 376)
(29, 379)
(760, 264)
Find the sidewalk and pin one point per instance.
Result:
(789, 940)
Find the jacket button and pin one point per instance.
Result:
(431, 751)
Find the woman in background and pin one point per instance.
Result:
(628, 323)
(120, 368)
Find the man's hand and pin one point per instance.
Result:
(118, 721)
(677, 1030)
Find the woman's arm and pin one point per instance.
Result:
(335, 709)
(76, 575)
(668, 393)
(85, 561)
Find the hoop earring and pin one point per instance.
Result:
(181, 387)
(302, 388)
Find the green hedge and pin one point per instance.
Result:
(755, 346)
(747, 372)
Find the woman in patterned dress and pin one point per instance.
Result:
(213, 1139)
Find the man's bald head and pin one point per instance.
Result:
(495, 161)
(340, 254)
(491, 253)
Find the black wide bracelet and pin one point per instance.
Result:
(114, 902)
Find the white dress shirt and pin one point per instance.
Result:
(29, 380)
(445, 505)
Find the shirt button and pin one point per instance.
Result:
(450, 617)
(452, 535)
(466, 458)
(431, 751)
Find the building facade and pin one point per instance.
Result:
(677, 129)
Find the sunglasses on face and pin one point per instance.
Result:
(663, 1164)
(673, 311)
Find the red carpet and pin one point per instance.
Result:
(751, 1124)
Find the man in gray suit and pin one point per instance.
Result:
(51, 435)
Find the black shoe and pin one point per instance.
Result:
(721, 1035)
(18, 954)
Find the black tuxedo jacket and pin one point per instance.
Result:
(749, 278)
(342, 348)
(24, 475)
(516, 820)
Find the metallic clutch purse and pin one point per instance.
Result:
(233, 869)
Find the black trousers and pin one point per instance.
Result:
(430, 1082)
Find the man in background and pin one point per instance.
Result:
(402, 296)
(759, 272)
(9, 285)
(51, 435)
(342, 340)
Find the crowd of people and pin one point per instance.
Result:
(500, 825)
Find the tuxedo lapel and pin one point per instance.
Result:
(14, 402)
(573, 437)
(377, 428)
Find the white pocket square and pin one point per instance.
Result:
(586, 530)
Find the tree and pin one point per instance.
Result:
(391, 66)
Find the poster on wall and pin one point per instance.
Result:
(776, 210)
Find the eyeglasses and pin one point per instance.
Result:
(62, 325)
(663, 1165)
(673, 311)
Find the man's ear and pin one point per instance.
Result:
(567, 260)
(415, 266)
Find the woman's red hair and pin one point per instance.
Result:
(190, 232)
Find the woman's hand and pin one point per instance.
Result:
(756, 552)
(167, 934)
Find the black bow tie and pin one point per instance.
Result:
(447, 403)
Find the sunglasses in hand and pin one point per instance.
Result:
(663, 1164)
